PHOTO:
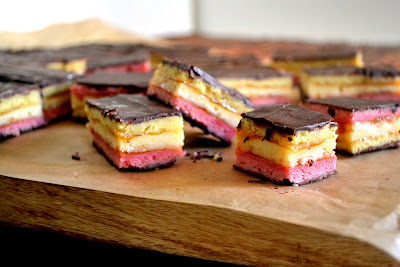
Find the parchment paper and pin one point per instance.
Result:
(361, 201)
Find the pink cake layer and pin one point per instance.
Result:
(199, 117)
(279, 174)
(53, 114)
(145, 161)
(81, 91)
(347, 117)
(16, 128)
(266, 101)
(141, 67)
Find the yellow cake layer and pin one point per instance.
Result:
(158, 134)
(191, 95)
(293, 142)
(77, 66)
(272, 83)
(22, 113)
(267, 87)
(362, 135)
(56, 89)
(347, 80)
(56, 100)
(322, 91)
(78, 107)
(282, 155)
(297, 66)
(358, 146)
(320, 86)
(214, 94)
(17, 101)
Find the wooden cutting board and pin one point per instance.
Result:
(204, 208)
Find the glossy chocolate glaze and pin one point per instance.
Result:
(33, 74)
(313, 55)
(369, 71)
(131, 108)
(288, 119)
(139, 80)
(354, 104)
(197, 73)
(246, 72)
(8, 89)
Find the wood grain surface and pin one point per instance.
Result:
(203, 209)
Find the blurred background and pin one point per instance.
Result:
(357, 21)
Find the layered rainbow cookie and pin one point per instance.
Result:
(54, 87)
(364, 124)
(20, 108)
(138, 61)
(203, 100)
(102, 84)
(286, 144)
(135, 133)
(295, 61)
(367, 82)
(263, 85)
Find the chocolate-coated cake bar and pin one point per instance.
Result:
(286, 144)
(101, 84)
(377, 82)
(135, 133)
(54, 87)
(364, 124)
(263, 85)
(294, 61)
(203, 100)
(20, 108)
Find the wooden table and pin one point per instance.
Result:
(203, 209)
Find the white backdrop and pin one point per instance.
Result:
(371, 21)
(367, 21)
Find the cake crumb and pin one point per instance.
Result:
(295, 185)
(75, 175)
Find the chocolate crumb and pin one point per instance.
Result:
(290, 139)
(310, 162)
(247, 138)
(76, 156)
(205, 154)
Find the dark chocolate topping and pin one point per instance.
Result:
(131, 108)
(136, 57)
(246, 72)
(196, 73)
(88, 51)
(138, 80)
(288, 119)
(369, 71)
(313, 55)
(354, 104)
(33, 74)
(8, 89)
